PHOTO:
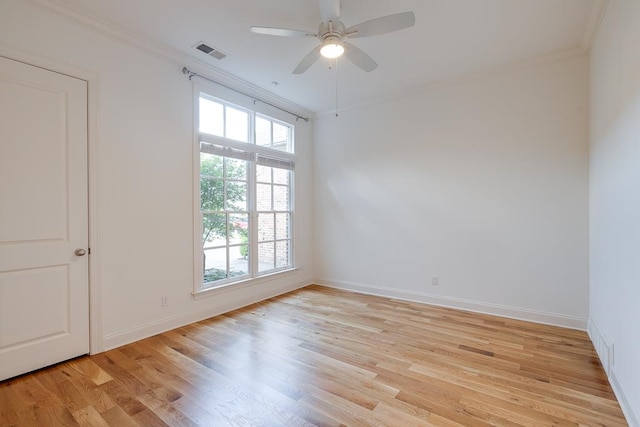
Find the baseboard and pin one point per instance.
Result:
(630, 411)
(220, 307)
(604, 348)
(602, 345)
(462, 304)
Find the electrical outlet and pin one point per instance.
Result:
(434, 280)
(165, 301)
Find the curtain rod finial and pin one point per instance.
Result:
(188, 72)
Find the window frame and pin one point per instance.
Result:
(273, 165)
(234, 100)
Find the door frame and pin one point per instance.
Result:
(96, 344)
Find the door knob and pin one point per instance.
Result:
(80, 252)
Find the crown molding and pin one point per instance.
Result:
(596, 14)
(166, 52)
(590, 30)
(448, 82)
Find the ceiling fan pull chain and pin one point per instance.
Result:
(336, 87)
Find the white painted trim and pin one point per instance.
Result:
(596, 14)
(110, 31)
(565, 55)
(95, 265)
(461, 304)
(246, 147)
(617, 383)
(602, 346)
(53, 7)
(198, 262)
(230, 287)
(93, 147)
(225, 305)
(630, 411)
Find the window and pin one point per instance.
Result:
(245, 175)
(272, 134)
(273, 199)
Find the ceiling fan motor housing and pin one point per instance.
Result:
(331, 29)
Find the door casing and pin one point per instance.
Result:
(96, 344)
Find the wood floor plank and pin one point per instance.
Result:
(37, 407)
(89, 417)
(149, 418)
(229, 395)
(390, 415)
(58, 384)
(116, 416)
(324, 357)
(89, 369)
(200, 415)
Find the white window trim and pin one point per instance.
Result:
(266, 156)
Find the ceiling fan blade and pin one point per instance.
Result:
(308, 60)
(284, 32)
(330, 10)
(382, 25)
(359, 58)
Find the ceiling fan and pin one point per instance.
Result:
(332, 34)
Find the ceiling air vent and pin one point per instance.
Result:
(203, 47)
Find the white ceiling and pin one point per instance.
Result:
(451, 38)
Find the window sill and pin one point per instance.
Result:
(234, 286)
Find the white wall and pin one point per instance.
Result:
(483, 183)
(143, 112)
(615, 197)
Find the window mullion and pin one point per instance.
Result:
(253, 220)
(271, 133)
(228, 254)
(251, 202)
(224, 122)
(273, 210)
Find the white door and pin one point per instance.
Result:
(44, 298)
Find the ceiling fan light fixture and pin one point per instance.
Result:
(332, 48)
(334, 36)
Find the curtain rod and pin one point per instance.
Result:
(192, 74)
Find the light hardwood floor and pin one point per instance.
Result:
(324, 357)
